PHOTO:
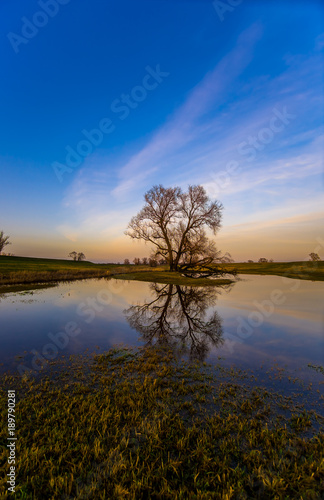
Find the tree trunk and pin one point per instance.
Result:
(171, 262)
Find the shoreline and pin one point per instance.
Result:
(34, 272)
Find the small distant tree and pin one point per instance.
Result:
(314, 257)
(81, 256)
(126, 262)
(153, 262)
(4, 241)
(250, 261)
(73, 255)
(262, 260)
(145, 261)
(137, 261)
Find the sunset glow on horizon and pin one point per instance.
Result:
(102, 103)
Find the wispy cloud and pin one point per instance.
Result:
(181, 128)
(271, 219)
(271, 172)
(98, 175)
(202, 135)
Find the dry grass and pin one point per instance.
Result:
(142, 424)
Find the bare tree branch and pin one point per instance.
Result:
(175, 223)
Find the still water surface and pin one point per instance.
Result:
(258, 322)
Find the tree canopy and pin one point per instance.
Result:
(175, 223)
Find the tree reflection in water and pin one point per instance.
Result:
(178, 317)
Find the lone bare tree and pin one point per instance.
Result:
(73, 255)
(4, 241)
(175, 223)
(81, 256)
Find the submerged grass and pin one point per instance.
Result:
(142, 424)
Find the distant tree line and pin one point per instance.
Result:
(261, 260)
(146, 261)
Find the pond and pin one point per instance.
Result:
(258, 323)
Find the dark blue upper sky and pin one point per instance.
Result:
(226, 74)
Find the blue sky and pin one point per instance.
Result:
(184, 94)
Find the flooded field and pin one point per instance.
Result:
(257, 323)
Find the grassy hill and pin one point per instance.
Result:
(18, 264)
(26, 270)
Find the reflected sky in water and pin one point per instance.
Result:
(261, 320)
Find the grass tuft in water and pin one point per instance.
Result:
(144, 424)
